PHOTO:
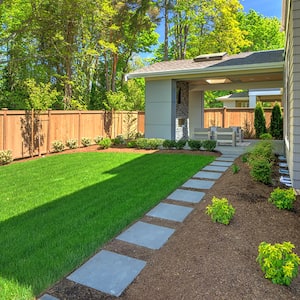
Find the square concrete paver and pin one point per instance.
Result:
(108, 272)
(208, 175)
(170, 212)
(146, 235)
(48, 297)
(215, 168)
(221, 163)
(186, 196)
(198, 184)
(221, 158)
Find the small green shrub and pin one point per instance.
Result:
(131, 144)
(86, 141)
(209, 145)
(118, 140)
(180, 144)
(261, 170)
(244, 158)
(266, 136)
(105, 143)
(169, 144)
(194, 144)
(283, 198)
(72, 144)
(259, 120)
(263, 149)
(220, 211)
(235, 169)
(145, 143)
(58, 146)
(97, 139)
(278, 262)
(5, 157)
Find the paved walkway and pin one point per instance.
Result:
(112, 273)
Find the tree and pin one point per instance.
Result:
(259, 120)
(276, 126)
(263, 33)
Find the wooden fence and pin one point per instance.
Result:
(27, 133)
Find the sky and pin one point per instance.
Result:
(268, 8)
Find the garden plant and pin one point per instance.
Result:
(283, 198)
(5, 157)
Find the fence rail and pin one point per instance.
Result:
(28, 133)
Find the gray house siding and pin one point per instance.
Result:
(160, 109)
(292, 93)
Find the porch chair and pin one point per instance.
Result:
(201, 134)
(225, 136)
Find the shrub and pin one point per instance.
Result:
(97, 139)
(261, 170)
(220, 210)
(180, 144)
(169, 144)
(209, 145)
(145, 143)
(283, 198)
(72, 143)
(86, 141)
(262, 149)
(118, 140)
(276, 126)
(259, 120)
(278, 262)
(105, 143)
(235, 169)
(265, 136)
(131, 144)
(5, 157)
(194, 144)
(58, 146)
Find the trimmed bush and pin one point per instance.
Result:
(97, 139)
(261, 170)
(265, 136)
(180, 144)
(259, 120)
(220, 211)
(276, 126)
(283, 198)
(5, 157)
(194, 144)
(278, 262)
(72, 144)
(118, 140)
(209, 145)
(105, 143)
(169, 144)
(148, 144)
(58, 146)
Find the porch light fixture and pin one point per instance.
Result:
(218, 80)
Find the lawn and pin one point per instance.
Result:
(59, 210)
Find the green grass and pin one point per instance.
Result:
(59, 210)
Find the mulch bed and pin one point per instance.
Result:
(206, 260)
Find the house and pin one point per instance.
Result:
(251, 97)
(175, 89)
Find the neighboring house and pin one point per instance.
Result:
(251, 97)
(175, 89)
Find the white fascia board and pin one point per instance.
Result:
(211, 71)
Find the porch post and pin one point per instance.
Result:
(196, 111)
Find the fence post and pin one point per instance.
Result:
(4, 127)
(79, 128)
(49, 132)
(224, 116)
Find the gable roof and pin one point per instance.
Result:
(241, 61)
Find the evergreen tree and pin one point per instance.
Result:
(276, 127)
(259, 120)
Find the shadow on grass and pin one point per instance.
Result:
(42, 245)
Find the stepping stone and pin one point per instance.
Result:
(198, 184)
(108, 272)
(48, 297)
(146, 235)
(170, 212)
(208, 175)
(221, 158)
(221, 163)
(186, 196)
(215, 168)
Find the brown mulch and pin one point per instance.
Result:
(206, 260)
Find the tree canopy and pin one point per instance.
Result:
(79, 50)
